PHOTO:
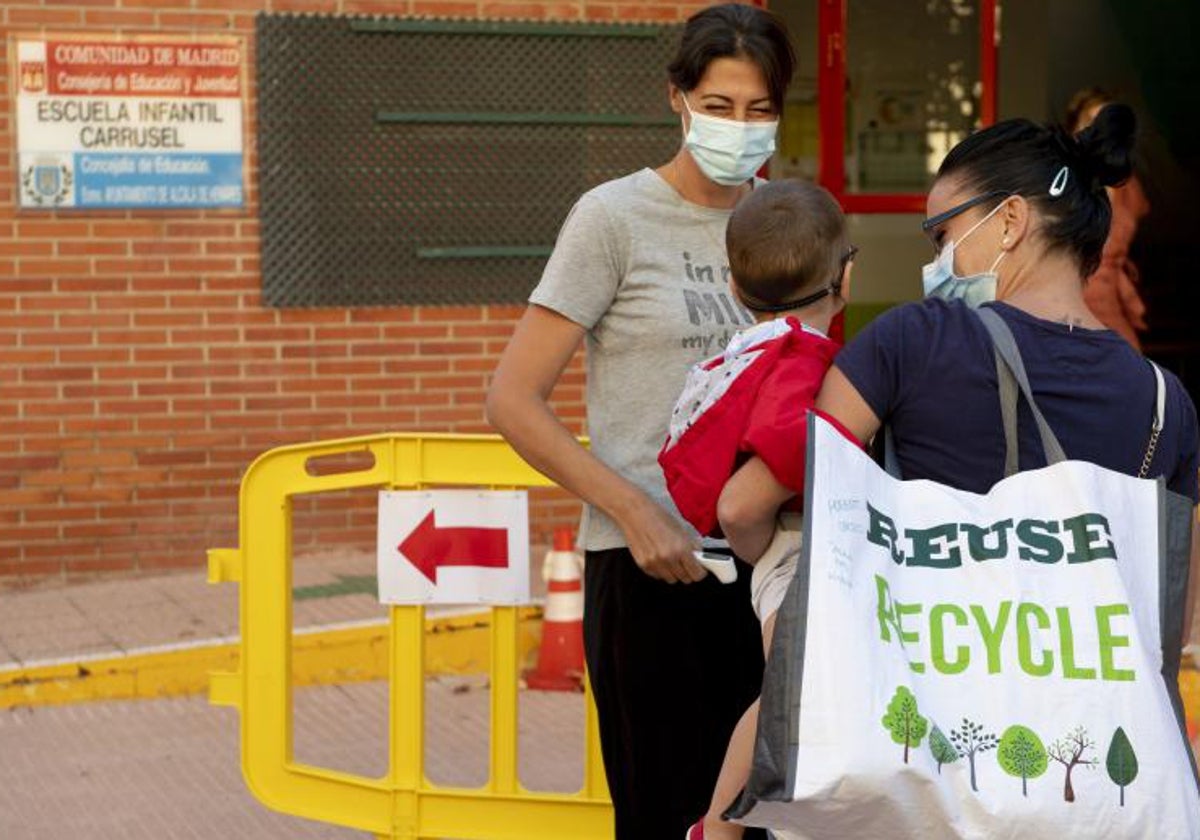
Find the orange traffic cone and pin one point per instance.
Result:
(560, 659)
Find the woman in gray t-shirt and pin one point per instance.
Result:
(640, 271)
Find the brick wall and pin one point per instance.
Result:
(140, 374)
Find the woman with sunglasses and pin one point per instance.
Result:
(1018, 213)
(640, 272)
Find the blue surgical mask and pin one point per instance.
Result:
(728, 152)
(940, 281)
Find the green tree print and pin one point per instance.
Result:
(904, 721)
(943, 751)
(1121, 761)
(1021, 753)
(969, 739)
(1069, 751)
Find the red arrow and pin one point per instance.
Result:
(429, 547)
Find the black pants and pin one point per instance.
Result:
(672, 667)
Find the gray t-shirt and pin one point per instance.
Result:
(645, 273)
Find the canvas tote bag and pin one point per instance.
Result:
(949, 664)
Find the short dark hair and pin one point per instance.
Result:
(1023, 158)
(784, 240)
(735, 30)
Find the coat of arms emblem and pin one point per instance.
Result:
(46, 183)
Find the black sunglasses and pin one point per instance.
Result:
(929, 225)
(834, 286)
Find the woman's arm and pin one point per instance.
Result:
(841, 400)
(749, 503)
(518, 406)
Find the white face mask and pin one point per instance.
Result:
(728, 152)
(940, 281)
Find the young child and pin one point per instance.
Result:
(734, 456)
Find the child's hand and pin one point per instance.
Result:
(660, 545)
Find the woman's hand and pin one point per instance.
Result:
(660, 545)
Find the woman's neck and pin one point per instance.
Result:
(1049, 287)
(682, 173)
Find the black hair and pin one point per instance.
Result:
(735, 30)
(1023, 158)
(785, 239)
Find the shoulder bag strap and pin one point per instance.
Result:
(1009, 358)
(1160, 418)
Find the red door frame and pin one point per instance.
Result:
(831, 87)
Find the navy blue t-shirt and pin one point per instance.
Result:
(927, 369)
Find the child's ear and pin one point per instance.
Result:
(844, 291)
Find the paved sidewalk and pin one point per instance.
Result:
(51, 622)
(169, 768)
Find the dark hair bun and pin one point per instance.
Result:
(1106, 146)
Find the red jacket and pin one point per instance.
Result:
(753, 399)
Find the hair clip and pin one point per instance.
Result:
(1059, 184)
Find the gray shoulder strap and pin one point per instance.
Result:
(1008, 412)
(891, 464)
(1006, 351)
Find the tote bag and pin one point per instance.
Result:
(949, 664)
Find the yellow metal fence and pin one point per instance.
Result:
(403, 803)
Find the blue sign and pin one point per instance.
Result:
(166, 180)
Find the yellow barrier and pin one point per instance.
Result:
(403, 803)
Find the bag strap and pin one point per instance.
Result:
(1010, 367)
(1160, 418)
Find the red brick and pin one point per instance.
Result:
(131, 302)
(52, 267)
(132, 337)
(56, 374)
(450, 348)
(168, 319)
(54, 303)
(93, 320)
(43, 17)
(292, 333)
(134, 372)
(285, 404)
(127, 229)
(312, 386)
(201, 265)
(167, 247)
(107, 458)
(57, 409)
(117, 18)
(97, 425)
(201, 230)
(94, 355)
(27, 248)
(103, 289)
(159, 458)
(140, 265)
(169, 20)
(168, 354)
(106, 247)
(233, 5)
(91, 391)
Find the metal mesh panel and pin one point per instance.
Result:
(432, 162)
